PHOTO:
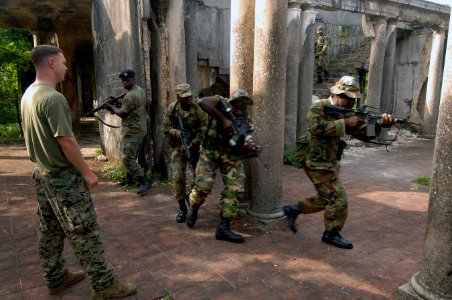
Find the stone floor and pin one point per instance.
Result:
(387, 220)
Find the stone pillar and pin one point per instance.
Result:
(242, 45)
(434, 281)
(269, 80)
(176, 45)
(191, 45)
(387, 92)
(376, 63)
(435, 71)
(241, 69)
(306, 66)
(292, 72)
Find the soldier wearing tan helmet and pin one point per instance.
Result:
(321, 47)
(320, 152)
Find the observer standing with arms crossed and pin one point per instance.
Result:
(62, 181)
(132, 111)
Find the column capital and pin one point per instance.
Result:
(392, 21)
(307, 6)
(377, 20)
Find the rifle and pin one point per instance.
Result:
(369, 116)
(241, 128)
(110, 100)
(185, 135)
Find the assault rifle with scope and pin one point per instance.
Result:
(110, 100)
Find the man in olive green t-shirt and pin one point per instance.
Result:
(62, 181)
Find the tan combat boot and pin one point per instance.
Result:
(70, 279)
(116, 291)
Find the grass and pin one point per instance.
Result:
(423, 180)
(289, 158)
(10, 132)
(114, 171)
(99, 152)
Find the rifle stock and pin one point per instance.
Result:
(185, 142)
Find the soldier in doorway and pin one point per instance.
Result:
(223, 147)
(321, 47)
(183, 123)
(132, 111)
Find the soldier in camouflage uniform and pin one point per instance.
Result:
(321, 46)
(62, 180)
(322, 148)
(193, 120)
(217, 153)
(132, 111)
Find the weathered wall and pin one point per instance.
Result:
(116, 47)
(412, 61)
(213, 23)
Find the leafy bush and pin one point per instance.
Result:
(289, 158)
(10, 132)
(423, 180)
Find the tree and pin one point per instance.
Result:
(15, 47)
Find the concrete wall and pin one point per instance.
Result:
(411, 71)
(116, 47)
(213, 23)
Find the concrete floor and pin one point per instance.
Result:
(387, 220)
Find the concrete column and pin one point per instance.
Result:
(191, 48)
(241, 64)
(292, 71)
(435, 71)
(176, 45)
(242, 45)
(306, 66)
(387, 92)
(434, 281)
(269, 89)
(376, 63)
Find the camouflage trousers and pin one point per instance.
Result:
(131, 144)
(331, 197)
(233, 176)
(65, 209)
(320, 63)
(179, 169)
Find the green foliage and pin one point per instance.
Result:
(346, 31)
(99, 152)
(10, 132)
(115, 172)
(15, 46)
(423, 180)
(289, 158)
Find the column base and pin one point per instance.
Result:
(412, 290)
(264, 222)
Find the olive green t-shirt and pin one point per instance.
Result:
(134, 104)
(45, 116)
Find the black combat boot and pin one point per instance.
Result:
(180, 218)
(224, 233)
(291, 213)
(145, 186)
(334, 238)
(192, 215)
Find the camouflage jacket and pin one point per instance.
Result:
(194, 121)
(321, 44)
(323, 145)
(217, 138)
